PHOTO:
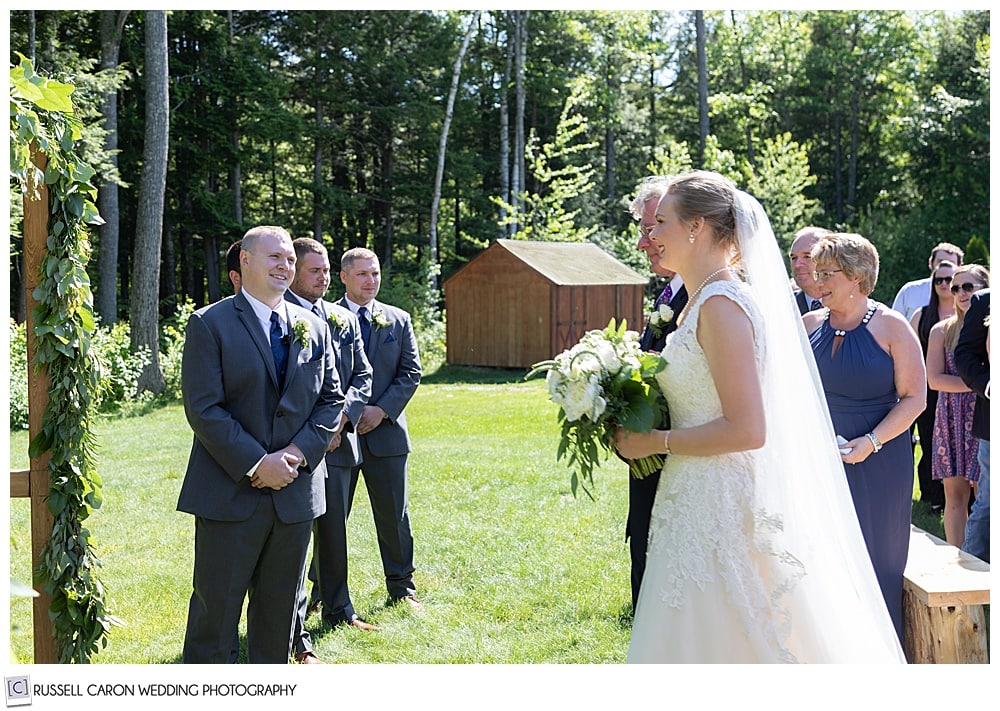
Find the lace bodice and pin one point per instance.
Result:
(686, 381)
(704, 524)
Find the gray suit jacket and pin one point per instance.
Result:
(239, 412)
(355, 379)
(396, 371)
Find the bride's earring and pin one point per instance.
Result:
(691, 238)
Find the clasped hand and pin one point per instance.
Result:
(370, 419)
(278, 469)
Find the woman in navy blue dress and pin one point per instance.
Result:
(873, 375)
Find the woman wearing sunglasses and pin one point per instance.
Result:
(941, 306)
(954, 449)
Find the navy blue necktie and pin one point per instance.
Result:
(279, 347)
(815, 304)
(366, 326)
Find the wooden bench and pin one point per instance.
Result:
(944, 591)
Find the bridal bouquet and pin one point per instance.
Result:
(603, 382)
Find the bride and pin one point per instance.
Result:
(755, 553)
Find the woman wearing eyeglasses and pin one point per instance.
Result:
(941, 306)
(954, 450)
(872, 371)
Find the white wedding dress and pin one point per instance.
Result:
(708, 593)
(755, 557)
(758, 556)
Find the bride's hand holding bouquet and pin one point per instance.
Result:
(602, 383)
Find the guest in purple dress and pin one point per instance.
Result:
(872, 370)
(955, 450)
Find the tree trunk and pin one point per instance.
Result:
(318, 175)
(744, 87)
(112, 24)
(505, 192)
(703, 127)
(838, 169)
(518, 181)
(852, 159)
(651, 88)
(449, 111)
(168, 270)
(236, 173)
(144, 296)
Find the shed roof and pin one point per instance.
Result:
(572, 263)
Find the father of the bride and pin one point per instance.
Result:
(642, 492)
(261, 393)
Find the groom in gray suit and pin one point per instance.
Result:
(329, 562)
(262, 394)
(391, 347)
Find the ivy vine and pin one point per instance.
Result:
(41, 115)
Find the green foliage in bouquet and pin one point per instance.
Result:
(603, 382)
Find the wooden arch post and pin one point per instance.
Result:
(36, 231)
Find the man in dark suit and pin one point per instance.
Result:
(642, 492)
(391, 347)
(262, 395)
(329, 562)
(972, 360)
(801, 263)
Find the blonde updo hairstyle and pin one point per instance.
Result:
(853, 254)
(705, 194)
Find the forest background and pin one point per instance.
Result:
(427, 135)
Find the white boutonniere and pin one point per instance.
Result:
(337, 321)
(301, 330)
(661, 316)
(379, 320)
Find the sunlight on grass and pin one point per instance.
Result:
(511, 567)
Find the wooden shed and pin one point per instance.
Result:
(521, 302)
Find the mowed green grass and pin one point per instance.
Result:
(510, 566)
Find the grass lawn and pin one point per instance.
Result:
(510, 566)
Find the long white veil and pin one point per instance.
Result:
(835, 611)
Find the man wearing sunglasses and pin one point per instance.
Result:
(916, 294)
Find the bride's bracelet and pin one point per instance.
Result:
(666, 441)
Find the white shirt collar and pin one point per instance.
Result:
(263, 313)
(302, 302)
(354, 307)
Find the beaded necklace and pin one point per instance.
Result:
(694, 296)
(867, 317)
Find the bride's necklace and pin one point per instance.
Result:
(709, 278)
(694, 296)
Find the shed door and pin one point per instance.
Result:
(571, 322)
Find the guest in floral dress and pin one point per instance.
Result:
(954, 460)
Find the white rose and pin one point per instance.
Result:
(576, 403)
(608, 357)
(665, 313)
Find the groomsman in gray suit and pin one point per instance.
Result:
(329, 563)
(391, 347)
(262, 395)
